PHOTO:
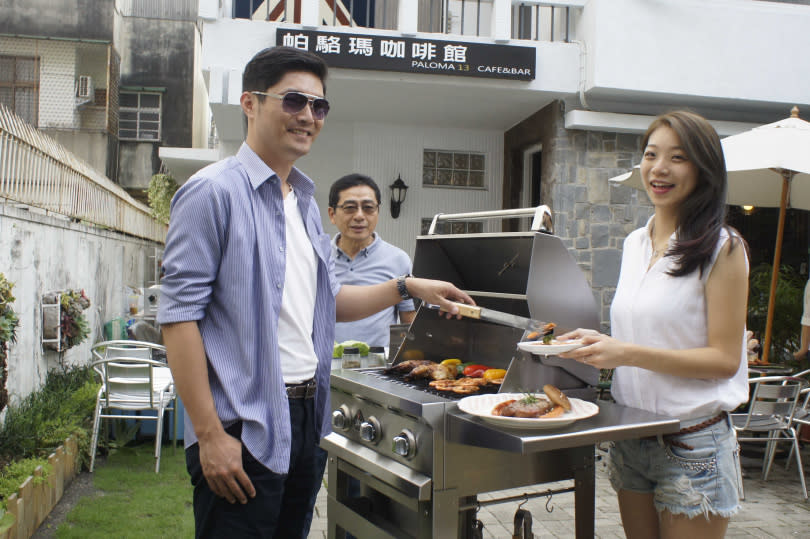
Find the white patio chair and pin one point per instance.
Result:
(771, 407)
(131, 380)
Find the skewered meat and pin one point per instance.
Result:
(408, 366)
(434, 371)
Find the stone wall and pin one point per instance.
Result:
(591, 216)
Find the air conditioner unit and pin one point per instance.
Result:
(84, 87)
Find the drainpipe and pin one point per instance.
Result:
(583, 54)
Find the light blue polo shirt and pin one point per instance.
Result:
(377, 263)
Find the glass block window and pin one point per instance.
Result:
(19, 86)
(443, 168)
(461, 227)
(139, 116)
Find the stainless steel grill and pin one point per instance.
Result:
(419, 460)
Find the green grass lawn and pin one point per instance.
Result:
(131, 500)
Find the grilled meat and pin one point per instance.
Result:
(433, 371)
(529, 407)
(408, 366)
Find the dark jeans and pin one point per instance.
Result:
(283, 504)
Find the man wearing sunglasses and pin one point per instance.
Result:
(248, 308)
(362, 257)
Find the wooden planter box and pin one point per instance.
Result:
(33, 502)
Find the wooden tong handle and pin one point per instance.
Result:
(470, 311)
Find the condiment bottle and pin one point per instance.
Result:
(376, 356)
(351, 358)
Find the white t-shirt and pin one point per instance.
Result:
(806, 311)
(297, 352)
(654, 309)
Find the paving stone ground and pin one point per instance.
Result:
(773, 508)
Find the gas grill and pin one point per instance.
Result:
(420, 461)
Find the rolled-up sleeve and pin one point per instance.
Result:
(194, 247)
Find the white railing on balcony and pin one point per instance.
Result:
(540, 20)
(178, 10)
(37, 171)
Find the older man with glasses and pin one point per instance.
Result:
(363, 258)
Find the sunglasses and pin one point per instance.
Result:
(294, 102)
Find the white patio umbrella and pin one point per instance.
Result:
(768, 166)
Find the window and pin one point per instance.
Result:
(19, 86)
(460, 227)
(441, 168)
(139, 116)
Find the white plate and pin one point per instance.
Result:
(482, 405)
(556, 347)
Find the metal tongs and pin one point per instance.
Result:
(497, 317)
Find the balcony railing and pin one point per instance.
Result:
(37, 171)
(530, 19)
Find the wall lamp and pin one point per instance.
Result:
(398, 191)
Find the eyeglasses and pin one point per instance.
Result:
(369, 208)
(294, 102)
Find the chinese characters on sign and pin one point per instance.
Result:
(385, 53)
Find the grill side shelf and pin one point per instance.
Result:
(613, 422)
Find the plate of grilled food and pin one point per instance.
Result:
(546, 410)
(451, 375)
(542, 342)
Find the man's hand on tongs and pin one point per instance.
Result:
(439, 293)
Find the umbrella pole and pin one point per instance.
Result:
(777, 255)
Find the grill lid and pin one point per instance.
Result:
(529, 274)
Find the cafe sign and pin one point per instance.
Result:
(414, 55)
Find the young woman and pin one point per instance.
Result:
(678, 344)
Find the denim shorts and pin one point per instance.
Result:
(704, 480)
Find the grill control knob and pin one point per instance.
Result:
(340, 418)
(370, 430)
(404, 444)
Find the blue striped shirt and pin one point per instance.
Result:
(376, 263)
(224, 267)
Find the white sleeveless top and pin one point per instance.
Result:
(654, 309)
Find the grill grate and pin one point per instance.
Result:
(423, 385)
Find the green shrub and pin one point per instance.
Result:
(62, 407)
(8, 333)
(161, 190)
(787, 309)
(12, 476)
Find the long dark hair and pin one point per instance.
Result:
(703, 214)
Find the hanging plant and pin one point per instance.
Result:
(8, 333)
(72, 323)
(161, 190)
(75, 328)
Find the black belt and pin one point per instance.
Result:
(304, 390)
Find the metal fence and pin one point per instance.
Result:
(38, 171)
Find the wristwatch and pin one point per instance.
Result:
(401, 288)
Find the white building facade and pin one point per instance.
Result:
(601, 70)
